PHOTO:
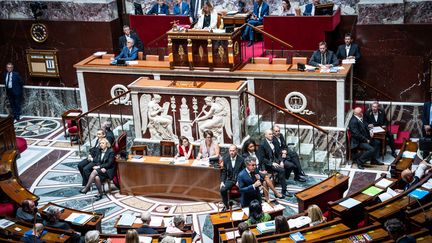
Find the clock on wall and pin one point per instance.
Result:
(39, 32)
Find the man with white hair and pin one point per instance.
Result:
(179, 222)
(129, 52)
(92, 236)
(362, 138)
(146, 229)
(35, 235)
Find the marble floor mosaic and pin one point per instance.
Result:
(59, 181)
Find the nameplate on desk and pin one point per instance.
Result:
(165, 159)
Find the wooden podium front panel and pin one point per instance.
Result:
(161, 179)
(180, 52)
(200, 53)
(220, 54)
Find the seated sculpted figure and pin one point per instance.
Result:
(216, 118)
(159, 122)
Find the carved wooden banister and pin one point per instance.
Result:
(288, 112)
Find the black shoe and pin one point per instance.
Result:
(376, 162)
(83, 191)
(98, 197)
(360, 166)
(300, 179)
(287, 194)
(224, 209)
(394, 154)
(281, 197)
(250, 43)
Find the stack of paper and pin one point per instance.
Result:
(53, 207)
(349, 203)
(372, 191)
(383, 183)
(99, 53)
(232, 235)
(409, 154)
(145, 239)
(265, 227)
(204, 163)
(78, 218)
(387, 195)
(126, 220)
(156, 221)
(348, 61)
(299, 222)
(4, 223)
(237, 215)
(246, 211)
(297, 237)
(267, 208)
(428, 184)
(377, 129)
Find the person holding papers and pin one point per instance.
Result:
(159, 7)
(376, 117)
(249, 183)
(412, 177)
(349, 50)
(185, 148)
(256, 214)
(232, 165)
(146, 229)
(208, 18)
(323, 58)
(315, 214)
(362, 138)
(129, 52)
(101, 168)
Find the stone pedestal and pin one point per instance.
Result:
(381, 12)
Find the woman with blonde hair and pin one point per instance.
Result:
(132, 236)
(208, 17)
(315, 214)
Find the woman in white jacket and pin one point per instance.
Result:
(208, 17)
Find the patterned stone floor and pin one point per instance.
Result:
(49, 169)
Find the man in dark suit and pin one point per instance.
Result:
(195, 8)
(249, 183)
(292, 158)
(323, 57)
(159, 7)
(427, 119)
(128, 34)
(232, 166)
(14, 90)
(376, 117)
(269, 156)
(109, 135)
(129, 52)
(181, 8)
(348, 51)
(363, 139)
(260, 10)
(310, 8)
(146, 229)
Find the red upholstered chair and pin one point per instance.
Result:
(7, 209)
(120, 143)
(21, 144)
(234, 192)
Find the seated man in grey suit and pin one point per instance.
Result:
(129, 52)
(323, 57)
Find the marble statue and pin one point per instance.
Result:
(156, 118)
(216, 118)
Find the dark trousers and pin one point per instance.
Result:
(15, 103)
(294, 158)
(81, 167)
(390, 141)
(249, 32)
(289, 167)
(280, 174)
(225, 190)
(371, 151)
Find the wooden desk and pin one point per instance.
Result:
(122, 229)
(198, 49)
(236, 19)
(310, 233)
(8, 166)
(120, 238)
(422, 235)
(375, 231)
(382, 137)
(400, 164)
(351, 216)
(20, 228)
(222, 220)
(329, 189)
(16, 191)
(90, 225)
(395, 205)
(140, 63)
(149, 177)
(421, 217)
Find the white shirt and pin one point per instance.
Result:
(254, 155)
(360, 119)
(259, 11)
(375, 116)
(347, 49)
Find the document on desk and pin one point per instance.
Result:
(54, 208)
(237, 215)
(387, 195)
(168, 221)
(78, 218)
(246, 211)
(166, 159)
(377, 129)
(202, 163)
(126, 220)
(349, 203)
(4, 223)
(137, 158)
(383, 183)
(418, 193)
(232, 235)
(299, 222)
(265, 227)
(156, 221)
(409, 154)
(372, 191)
(145, 239)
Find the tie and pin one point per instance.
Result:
(347, 49)
(322, 59)
(9, 80)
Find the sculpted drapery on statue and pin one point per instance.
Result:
(216, 118)
(156, 118)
